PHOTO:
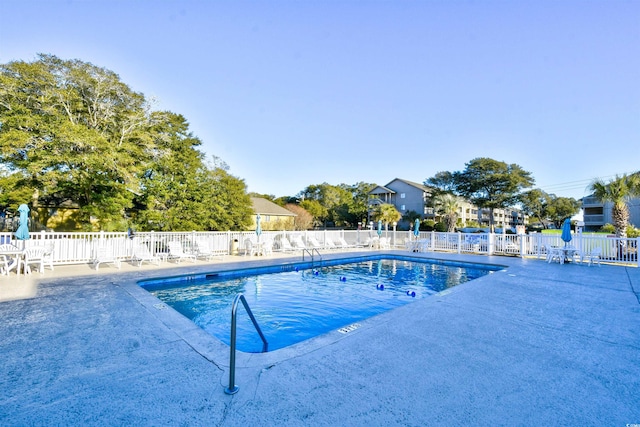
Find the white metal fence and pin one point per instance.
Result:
(80, 247)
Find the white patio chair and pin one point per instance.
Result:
(104, 255)
(555, 253)
(385, 243)
(48, 255)
(5, 262)
(592, 256)
(424, 245)
(267, 247)
(251, 248)
(177, 253)
(10, 261)
(31, 256)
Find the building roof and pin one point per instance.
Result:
(411, 183)
(379, 189)
(266, 207)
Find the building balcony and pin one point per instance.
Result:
(594, 219)
(591, 201)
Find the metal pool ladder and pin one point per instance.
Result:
(310, 252)
(233, 388)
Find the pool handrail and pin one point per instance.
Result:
(232, 388)
(310, 252)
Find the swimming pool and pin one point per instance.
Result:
(295, 302)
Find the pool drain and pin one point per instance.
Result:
(349, 328)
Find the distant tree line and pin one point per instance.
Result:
(492, 184)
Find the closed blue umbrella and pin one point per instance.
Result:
(22, 233)
(258, 228)
(379, 227)
(416, 228)
(566, 231)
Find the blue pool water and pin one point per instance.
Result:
(292, 304)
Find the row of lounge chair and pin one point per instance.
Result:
(201, 249)
(312, 243)
(141, 254)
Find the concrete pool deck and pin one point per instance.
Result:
(535, 344)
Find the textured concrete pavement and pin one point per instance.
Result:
(535, 344)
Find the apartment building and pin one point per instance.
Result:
(409, 196)
(597, 214)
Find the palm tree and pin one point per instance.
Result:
(387, 213)
(618, 192)
(447, 206)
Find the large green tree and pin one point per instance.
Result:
(548, 207)
(340, 205)
(442, 182)
(492, 184)
(534, 204)
(181, 192)
(560, 208)
(74, 134)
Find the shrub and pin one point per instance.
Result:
(608, 228)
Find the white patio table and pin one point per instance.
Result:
(16, 255)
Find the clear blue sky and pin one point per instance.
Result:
(294, 93)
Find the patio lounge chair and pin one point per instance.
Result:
(314, 243)
(204, 250)
(284, 245)
(104, 255)
(344, 245)
(329, 244)
(176, 252)
(298, 243)
(142, 254)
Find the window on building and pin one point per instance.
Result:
(402, 195)
(403, 208)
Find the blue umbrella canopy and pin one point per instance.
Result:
(566, 231)
(416, 228)
(379, 227)
(22, 233)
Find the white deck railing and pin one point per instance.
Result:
(80, 247)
